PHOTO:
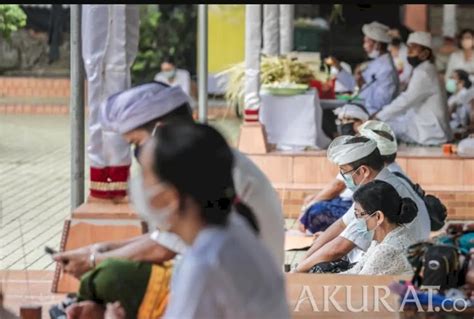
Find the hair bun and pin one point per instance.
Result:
(408, 211)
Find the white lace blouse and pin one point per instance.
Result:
(387, 257)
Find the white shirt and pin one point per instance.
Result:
(385, 87)
(254, 189)
(227, 273)
(461, 101)
(420, 113)
(387, 257)
(419, 229)
(182, 78)
(457, 61)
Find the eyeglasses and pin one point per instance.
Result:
(361, 214)
(345, 173)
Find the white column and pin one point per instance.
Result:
(449, 20)
(202, 62)
(271, 29)
(253, 44)
(287, 15)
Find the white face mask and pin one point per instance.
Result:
(361, 224)
(374, 54)
(157, 218)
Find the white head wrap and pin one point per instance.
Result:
(341, 153)
(385, 146)
(466, 147)
(351, 110)
(421, 38)
(377, 32)
(129, 109)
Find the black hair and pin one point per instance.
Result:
(396, 42)
(381, 196)
(388, 159)
(383, 46)
(197, 161)
(169, 59)
(464, 76)
(462, 33)
(374, 160)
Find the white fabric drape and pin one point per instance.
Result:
(253, 43)
(449, 20)
(287, 13)
(271, 29)
(110, 43)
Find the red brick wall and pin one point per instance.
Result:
(34, 87)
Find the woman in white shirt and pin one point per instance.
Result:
(460, 102)
(226, 272)
(463, 58)
(382, 213)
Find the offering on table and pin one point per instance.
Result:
(285, 88)
(288, 76)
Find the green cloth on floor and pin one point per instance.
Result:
(117, 280)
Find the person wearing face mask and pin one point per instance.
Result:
(464, 57)
(460, 102)
(350, 117)
(227, 272)
(378, 83)
(360, 162)
(223, 255)
(322, 209)
(173, 76)
(383, 214)
(419, 115)
(136, 114)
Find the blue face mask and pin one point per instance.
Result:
(169, 74)
(349, 180)
(361, 226)
(451, 85)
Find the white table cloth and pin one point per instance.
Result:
(293, 122)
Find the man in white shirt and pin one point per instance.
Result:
(420, 114)
(324, 208)
(360, 162)
(173, 76)
(135, 113)
(378, 83)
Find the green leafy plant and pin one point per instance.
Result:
(162, 33)
(336, 14)
(12, 18)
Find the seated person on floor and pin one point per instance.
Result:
(217, 231)
(382, 213)
(378, 82)
(419, 114)
(317, 216)
(136, 113)
(460, 101)
(360, 162)
(324, 208)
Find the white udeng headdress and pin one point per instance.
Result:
(341, 153)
